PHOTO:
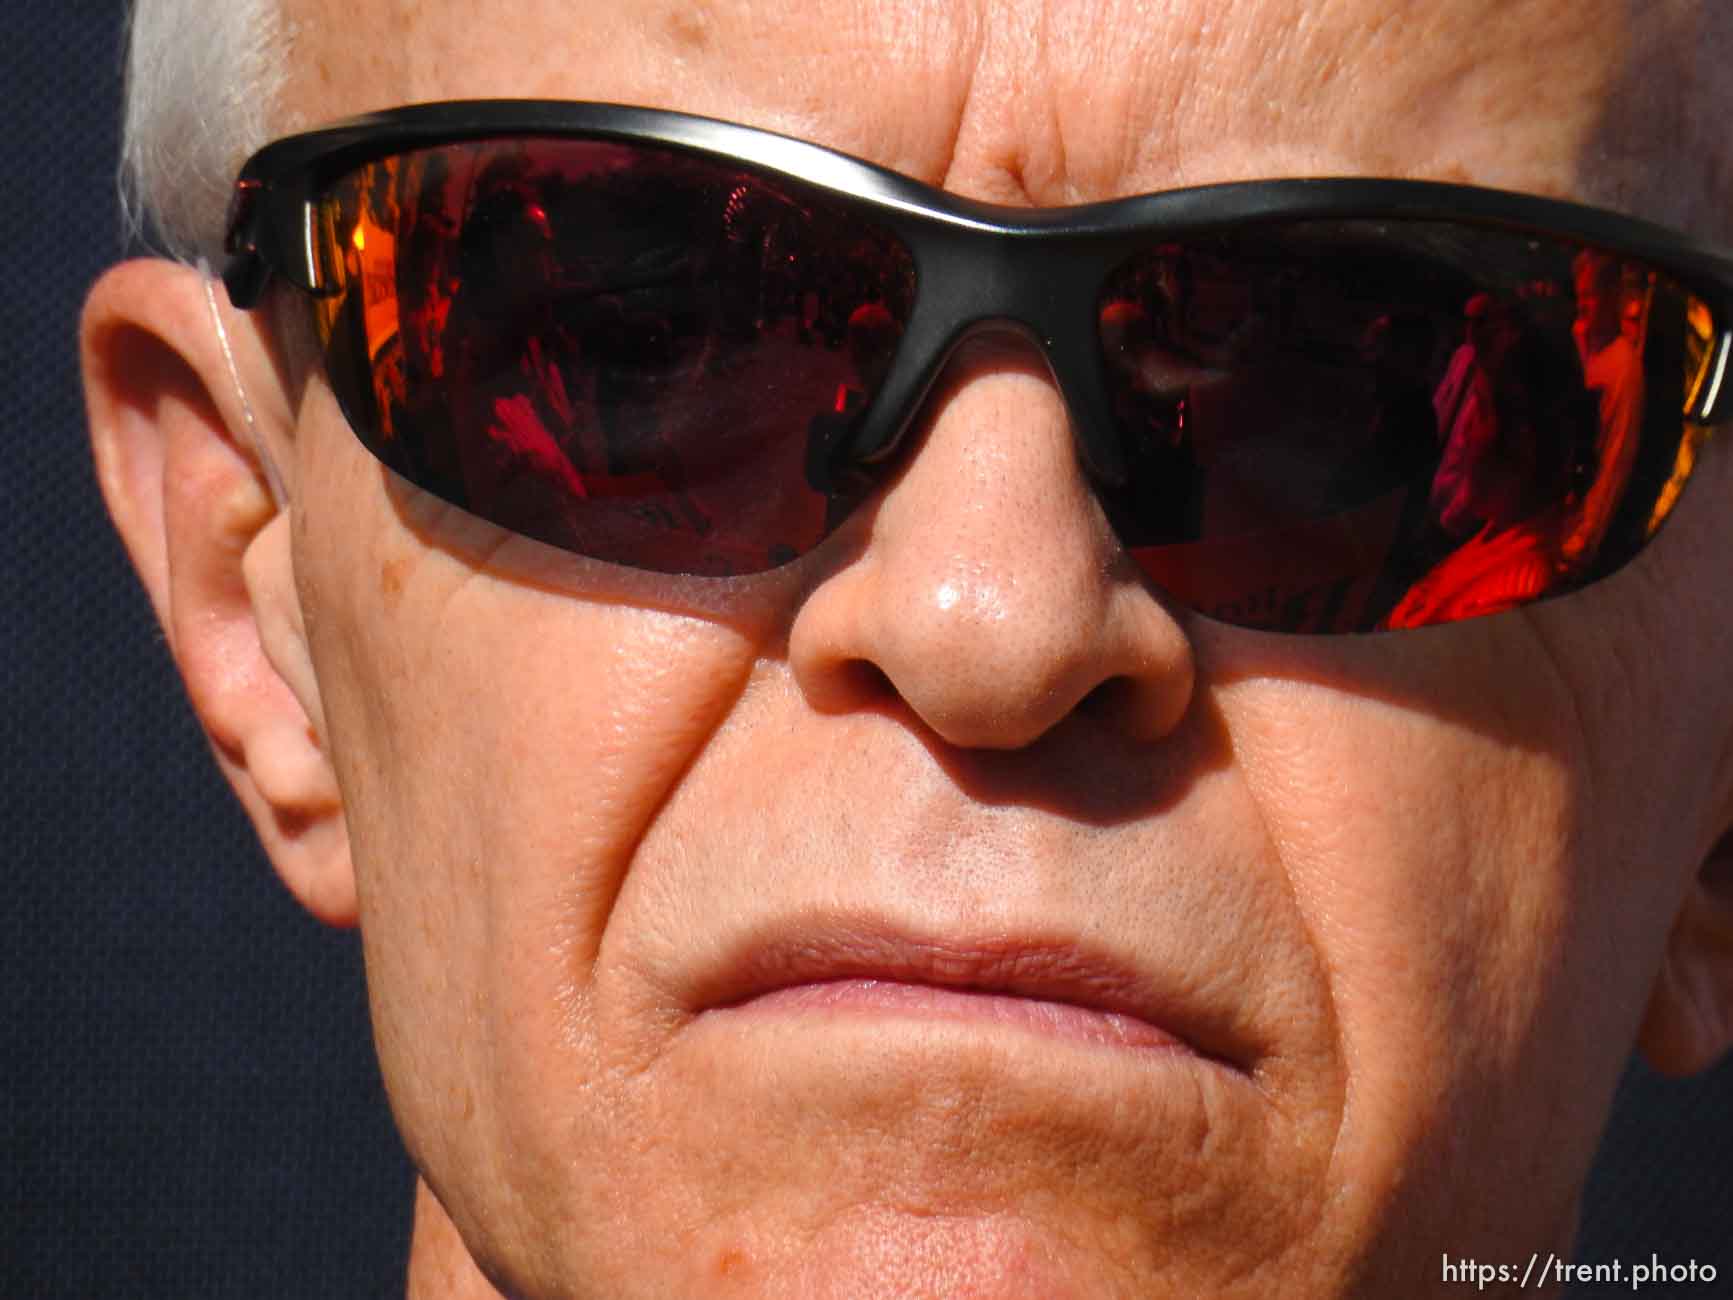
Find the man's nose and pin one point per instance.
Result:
(990, 594)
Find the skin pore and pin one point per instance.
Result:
(1379, 888)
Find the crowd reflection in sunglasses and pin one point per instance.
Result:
(1479, 440)
(1484, 451)
(657, 363)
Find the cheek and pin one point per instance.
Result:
(501, 750)
(1439, 869)
(1428, 859)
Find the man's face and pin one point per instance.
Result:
(1599, 311)
(1379, 931)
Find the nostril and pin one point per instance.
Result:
(850, 684)
(867, 679)
(1717, 870)
(1112, 698)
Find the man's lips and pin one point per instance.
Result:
(1043, 1015)
(1059, 989)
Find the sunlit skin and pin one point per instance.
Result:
(1406, 901)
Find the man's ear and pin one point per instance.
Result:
(1689, 1022)
(174, 407)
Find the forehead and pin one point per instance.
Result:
(1054, 101)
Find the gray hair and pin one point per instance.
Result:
(202, 81)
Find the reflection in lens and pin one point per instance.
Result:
(1347, 426)
(633, 353)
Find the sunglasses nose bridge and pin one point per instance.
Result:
(1026, 288)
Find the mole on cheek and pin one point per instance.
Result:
(733, 1264)
(689, 27)
(391, 580)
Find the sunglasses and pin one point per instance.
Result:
(687, 346)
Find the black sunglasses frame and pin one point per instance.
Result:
(979, 267)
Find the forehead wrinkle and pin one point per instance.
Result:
(1077, 101)
(1634, 93)
(1052, 104)
(1054, 101)
(887, 82)
(1398, 89)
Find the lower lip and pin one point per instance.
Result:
(1062, 1020)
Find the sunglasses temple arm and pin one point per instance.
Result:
(273, 478)
(1716, 404)
(270, 232)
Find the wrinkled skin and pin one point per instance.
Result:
(1410, 899)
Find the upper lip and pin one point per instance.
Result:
(1049, 967)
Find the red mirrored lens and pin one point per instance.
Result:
(1343, 426)
(625, 351)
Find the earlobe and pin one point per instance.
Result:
(1688, 1025)
(192, 506)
